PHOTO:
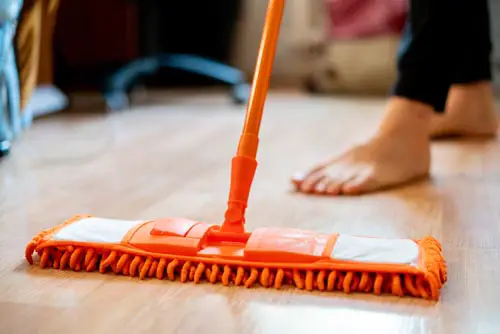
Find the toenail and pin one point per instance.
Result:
(298, 176)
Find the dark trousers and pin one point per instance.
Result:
(445, 42)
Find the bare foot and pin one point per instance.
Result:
(398, 153)
(470, 112)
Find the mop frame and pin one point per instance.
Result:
(178, 248)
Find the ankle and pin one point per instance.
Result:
(406, 118)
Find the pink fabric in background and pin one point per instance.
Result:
(349, 19)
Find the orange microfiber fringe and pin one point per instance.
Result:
(123, 260)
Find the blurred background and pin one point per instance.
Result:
(57, 52)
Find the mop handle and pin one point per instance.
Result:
(244, 163)
(262, 75)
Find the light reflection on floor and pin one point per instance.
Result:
(275, 318)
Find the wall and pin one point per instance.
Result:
(292, 62)
(360, 66)
(301, 27)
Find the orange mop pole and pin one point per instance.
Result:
(244, 163)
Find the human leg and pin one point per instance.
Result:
(399, 150)
(470, 107)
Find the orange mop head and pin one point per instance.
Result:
(186, 250)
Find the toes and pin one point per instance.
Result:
(326, 182)
(299, 177)
(309, 184)
(333, 187)
(338, 176)
(360, 184)
(321, 186)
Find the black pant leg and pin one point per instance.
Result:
(424, 69)
(471, 40)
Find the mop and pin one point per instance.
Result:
(184, 250)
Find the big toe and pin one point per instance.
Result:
(298, 178)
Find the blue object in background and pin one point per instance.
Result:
(118, 83)
(10, 111)
(191, 36)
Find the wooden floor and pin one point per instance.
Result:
(171, 158)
